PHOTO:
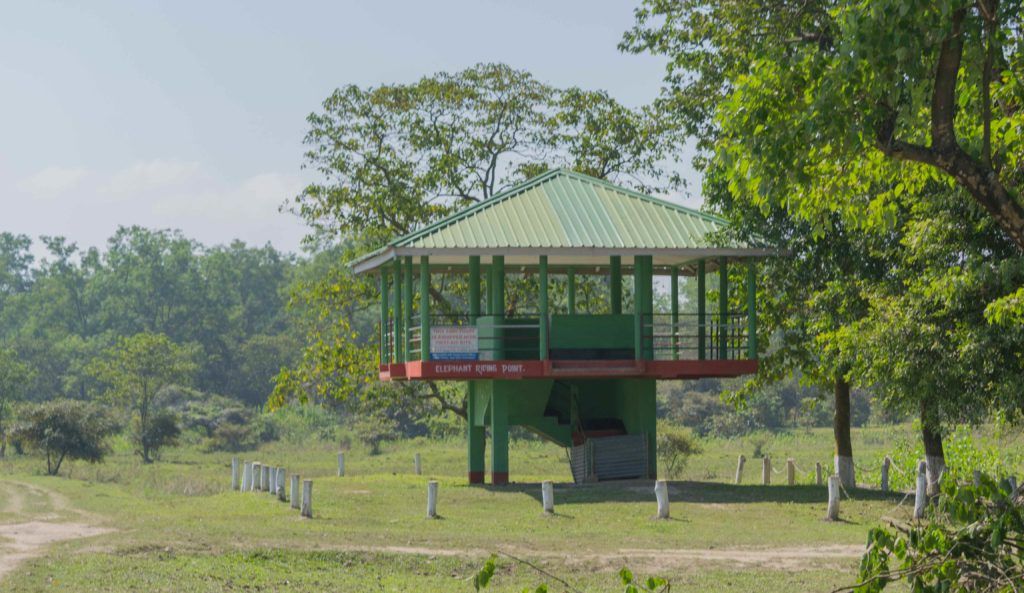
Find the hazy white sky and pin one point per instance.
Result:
(190, 115)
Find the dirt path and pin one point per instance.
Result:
(37, 528)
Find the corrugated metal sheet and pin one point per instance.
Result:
(609, 458)
(563, 209)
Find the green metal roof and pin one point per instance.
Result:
(563, 213)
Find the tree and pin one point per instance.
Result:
(396, 157)
(66, 430)
(14, 375)
(134, 371)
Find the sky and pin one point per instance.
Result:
(190, 115)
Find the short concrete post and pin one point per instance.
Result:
(921, 496)
(307, 499)
(417, 467)
(280, 484)
(273, 481)
(432, 499)
(341, 464)
(977, 478)
(817, 473)
(766, 470)
(740, 462)
(832, 514)
(885, 473)
(265, 478)
(234, 473)
(661, 493)
(257, 471)
(246, 476)
(295, 491)
(547, 492)
(790, 472)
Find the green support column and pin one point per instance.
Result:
(638, 309)
(723, 309)
(396, 333)
(615, 285)
(675, 313)
(499, 436)
(702, 305)
(542, 304)
(407, 308)
(571, 290)
(751, 311)
(424, 308)
(489, 290)
(474, 288)
(385, 350)
(649, 305)
(475, 437)
(498, 294)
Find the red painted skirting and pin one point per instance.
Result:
(499, 478)
(541, 369)
(476, 477)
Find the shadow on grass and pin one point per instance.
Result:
(684, 491)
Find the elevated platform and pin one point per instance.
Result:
(560, 369)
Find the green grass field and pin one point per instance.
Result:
(176, 526)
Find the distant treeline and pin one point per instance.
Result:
(60, 310)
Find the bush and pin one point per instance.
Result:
(66, 429)
(233, 437)
(675, 447)
(161, 431)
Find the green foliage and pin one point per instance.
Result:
(630, 582)
(65, 430)
(675, 447)
(973, 541)
(160, 430)
(13, 378)
(374, 428)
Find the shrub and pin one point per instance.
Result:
(675, 447)
(66, 429)
(233, 437)
(161, 431)
(375, 429)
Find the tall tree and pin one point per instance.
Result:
(134, 371)
(14, 377)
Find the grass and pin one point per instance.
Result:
(180, 528)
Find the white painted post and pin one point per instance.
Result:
(257, 471)
(832, 514)
(661, 492)
(817, 473)
(234, 473)
(280, 484)
(921, 496)
(307, 499)
(246, 476)
(790, 472)
(740, 462)
(885, 473)
(341, 464)
(766, 470)
(547, 491)
(432, 499)
(416, 466)
(295, 491)
(272, 481)
(265, 478)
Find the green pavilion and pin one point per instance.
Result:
(492, 296)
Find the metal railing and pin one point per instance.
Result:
(695, 338)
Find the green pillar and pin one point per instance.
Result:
(407, 308)
(489, 290)
(648, 304)
(638, 309)
(474, 288)
(751, 311)
(498, 294)
(499, 435)
(475, 436)
(615, 285)
(385, 351)
(571, 290)
(702, 304)
(723, 309)
(424, 308)
(542, 304)
(675, 313)
(397, 331)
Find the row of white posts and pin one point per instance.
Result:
(835, 486)
(258, 477)
(417, 464)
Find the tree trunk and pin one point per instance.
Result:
(841, 430)
(935, 459)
